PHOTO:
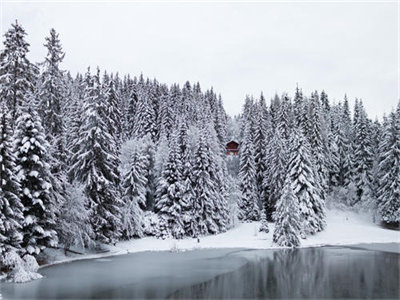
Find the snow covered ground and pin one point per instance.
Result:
(343, 228)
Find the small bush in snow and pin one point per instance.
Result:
(21, 269)
(150, 223)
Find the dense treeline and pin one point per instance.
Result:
(299, 153)
(98, 158)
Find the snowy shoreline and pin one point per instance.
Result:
(246, 236)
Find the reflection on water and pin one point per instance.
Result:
(329, 272)
(307, 273)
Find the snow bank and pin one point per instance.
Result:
(343, 228)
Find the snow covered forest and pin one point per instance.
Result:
(95, 158)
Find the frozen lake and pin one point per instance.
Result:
(362, 271)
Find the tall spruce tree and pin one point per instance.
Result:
(363, 156)
(276, 173)
(52, 92)
(169, 200)
(96, 165)
(134, 195)
(287, 217)
(306, 186)
(389, 170)
(38, 196)
(17, 73)
(247, 178)
(11, 208)
(205, 205)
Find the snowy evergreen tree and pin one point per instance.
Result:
(145, 117)
(114, 113)
(363, 156)
(264, 223)
(11, 208)
(52, 91)
(166, 116)
(96, 165)
(38, 196)
(134, 195)
(247, 178)
(274, 177)
(17, 73)
(205, 211)
(317, 141)
(260, 149)
(287, 217)
(169, 200)
(305, 184)
(389, 171)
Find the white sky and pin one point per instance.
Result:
(238, 48)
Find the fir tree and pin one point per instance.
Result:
(38, 196)
(287, 217)
(52, 91)
(205, 212)
(11, 209)
(275, 174)
(112, 100)
(247, 178)
(17, 73)
(96, 165)
(260, 151)
(363, 156)
(316, 139)
(305, 185)
(264, 223)
(389, 170)
(169, 201)
(134, 195)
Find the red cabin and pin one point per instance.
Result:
(232, 148)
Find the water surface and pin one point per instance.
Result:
(327, 272)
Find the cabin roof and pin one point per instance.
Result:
(232, 142)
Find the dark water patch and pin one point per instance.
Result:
(307, 273)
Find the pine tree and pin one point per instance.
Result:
(145, 117)
(205, 212)
(284, 118)
(96, 165)
(275, 174)
(317, 141)
(169, 200)
(260, 151)
(264, 223)
(52, 91)
(38, 196)
(389, 170)
(305, 185)
(363, 156)
(11, 209)
(112, 100)
(247, 178)
(149, 153)
(134, 195)
(17, 73)
(165, 117)
(287, 218)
